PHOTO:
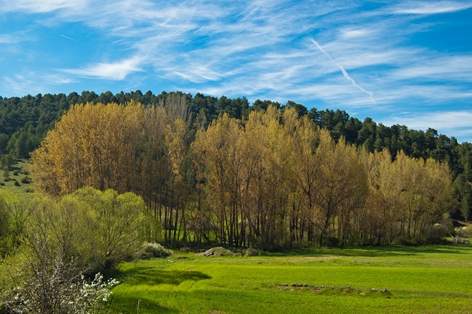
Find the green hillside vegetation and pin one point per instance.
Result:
(18, 176)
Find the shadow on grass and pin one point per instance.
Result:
(152, 276)
(136, 305)
(377, 251)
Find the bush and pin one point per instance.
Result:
(25, 180)
(409, 242)
(252, 252)
(16, 183)
(217, 251)
(56, 292)
(332, 242)
(438, 234)
(464, 232)
(438, 231)
(459, 240)
(153, 250)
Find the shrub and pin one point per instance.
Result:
(459, 240)
(6, 173)
(16, 183)
(464, 232)
(56, 292)
(253, 252)
(438, 231)
(409, 242)
(217, 251)
(153, 250)
(25, 180)
(332, 242)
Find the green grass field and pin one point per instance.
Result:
(17, 173)
(427, 279)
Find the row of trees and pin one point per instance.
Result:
(270, 184)
(25, 121)
(273, 179)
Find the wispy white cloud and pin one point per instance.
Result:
(199, 74)
(452, 123)
(32, 83)
(443, 68)
(9, 39)
(43, 6)
(264, 49)
(20, 84)
(354, 33)
(57, 79)
(111, 71)
(427, 8)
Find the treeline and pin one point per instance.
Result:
(271, 180)
(25, 121)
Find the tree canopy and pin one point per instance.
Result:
(273, 179)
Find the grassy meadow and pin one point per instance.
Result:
(20, 177)
(426, 279)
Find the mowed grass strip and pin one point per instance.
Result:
(193, 284)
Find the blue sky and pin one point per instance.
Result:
(406, 62)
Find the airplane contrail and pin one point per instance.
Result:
(67, 37)
(346, 75)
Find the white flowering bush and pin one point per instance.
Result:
(93, 294)
(153, 250)
(57, 295)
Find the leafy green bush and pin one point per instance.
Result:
(16, 183)
(409, 241)
(86, 232)
(153, 250)
(332, 242)
(438, 231)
